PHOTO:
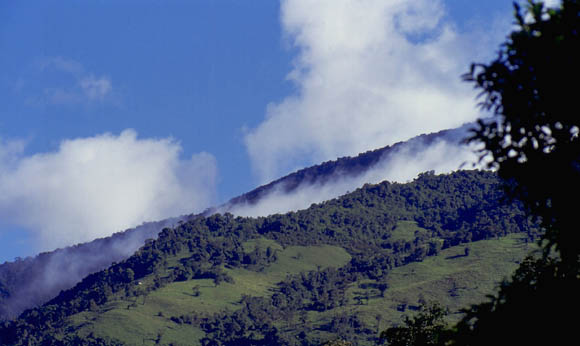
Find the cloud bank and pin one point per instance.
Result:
(368, 74)
(403, 164)
(93, 187)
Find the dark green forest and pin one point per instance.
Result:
(458, 208)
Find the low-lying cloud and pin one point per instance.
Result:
(368, 74)
(92, 187)
(402, 164)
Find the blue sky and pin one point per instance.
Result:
(113, 112)
(194, 70)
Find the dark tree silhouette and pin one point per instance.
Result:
(532, 88)
(533, 143)
(536, 307)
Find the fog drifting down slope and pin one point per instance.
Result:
(402, 163)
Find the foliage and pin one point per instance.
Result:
(427, 328)
(537, 307)
(534, 144)
(533, 140)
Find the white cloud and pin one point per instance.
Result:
(404, 164)
(61, 81)
(95, 88)
(369, 73)
(93, 187)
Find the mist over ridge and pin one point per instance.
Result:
(441, 152)
(358, 85)
(367, 74)
(51, 272)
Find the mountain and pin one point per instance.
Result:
(345, 167)
(33, 281)
(342, 268)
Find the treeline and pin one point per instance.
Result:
(456, 208)
(345, 166)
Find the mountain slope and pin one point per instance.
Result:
(284, 279)
(345, 167)
(33, 281)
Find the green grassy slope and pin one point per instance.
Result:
(454, 280)
(451, 278)
(145, 319)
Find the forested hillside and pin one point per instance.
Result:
(26, 283)
(282, 279)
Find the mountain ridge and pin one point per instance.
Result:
(449, 210)
(20, 284)
(346, 165)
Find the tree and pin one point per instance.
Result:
(93, 306)
(533, 143)
(532, 89)
(129, 275)
(427, 328)
(530, 309)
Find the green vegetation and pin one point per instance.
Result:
(364, 267)
(297, 259)
(20, 284)
(533, 143)
(450, 277)
(146, 317)
(334, 270)
(427, 328)
(406, 231)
